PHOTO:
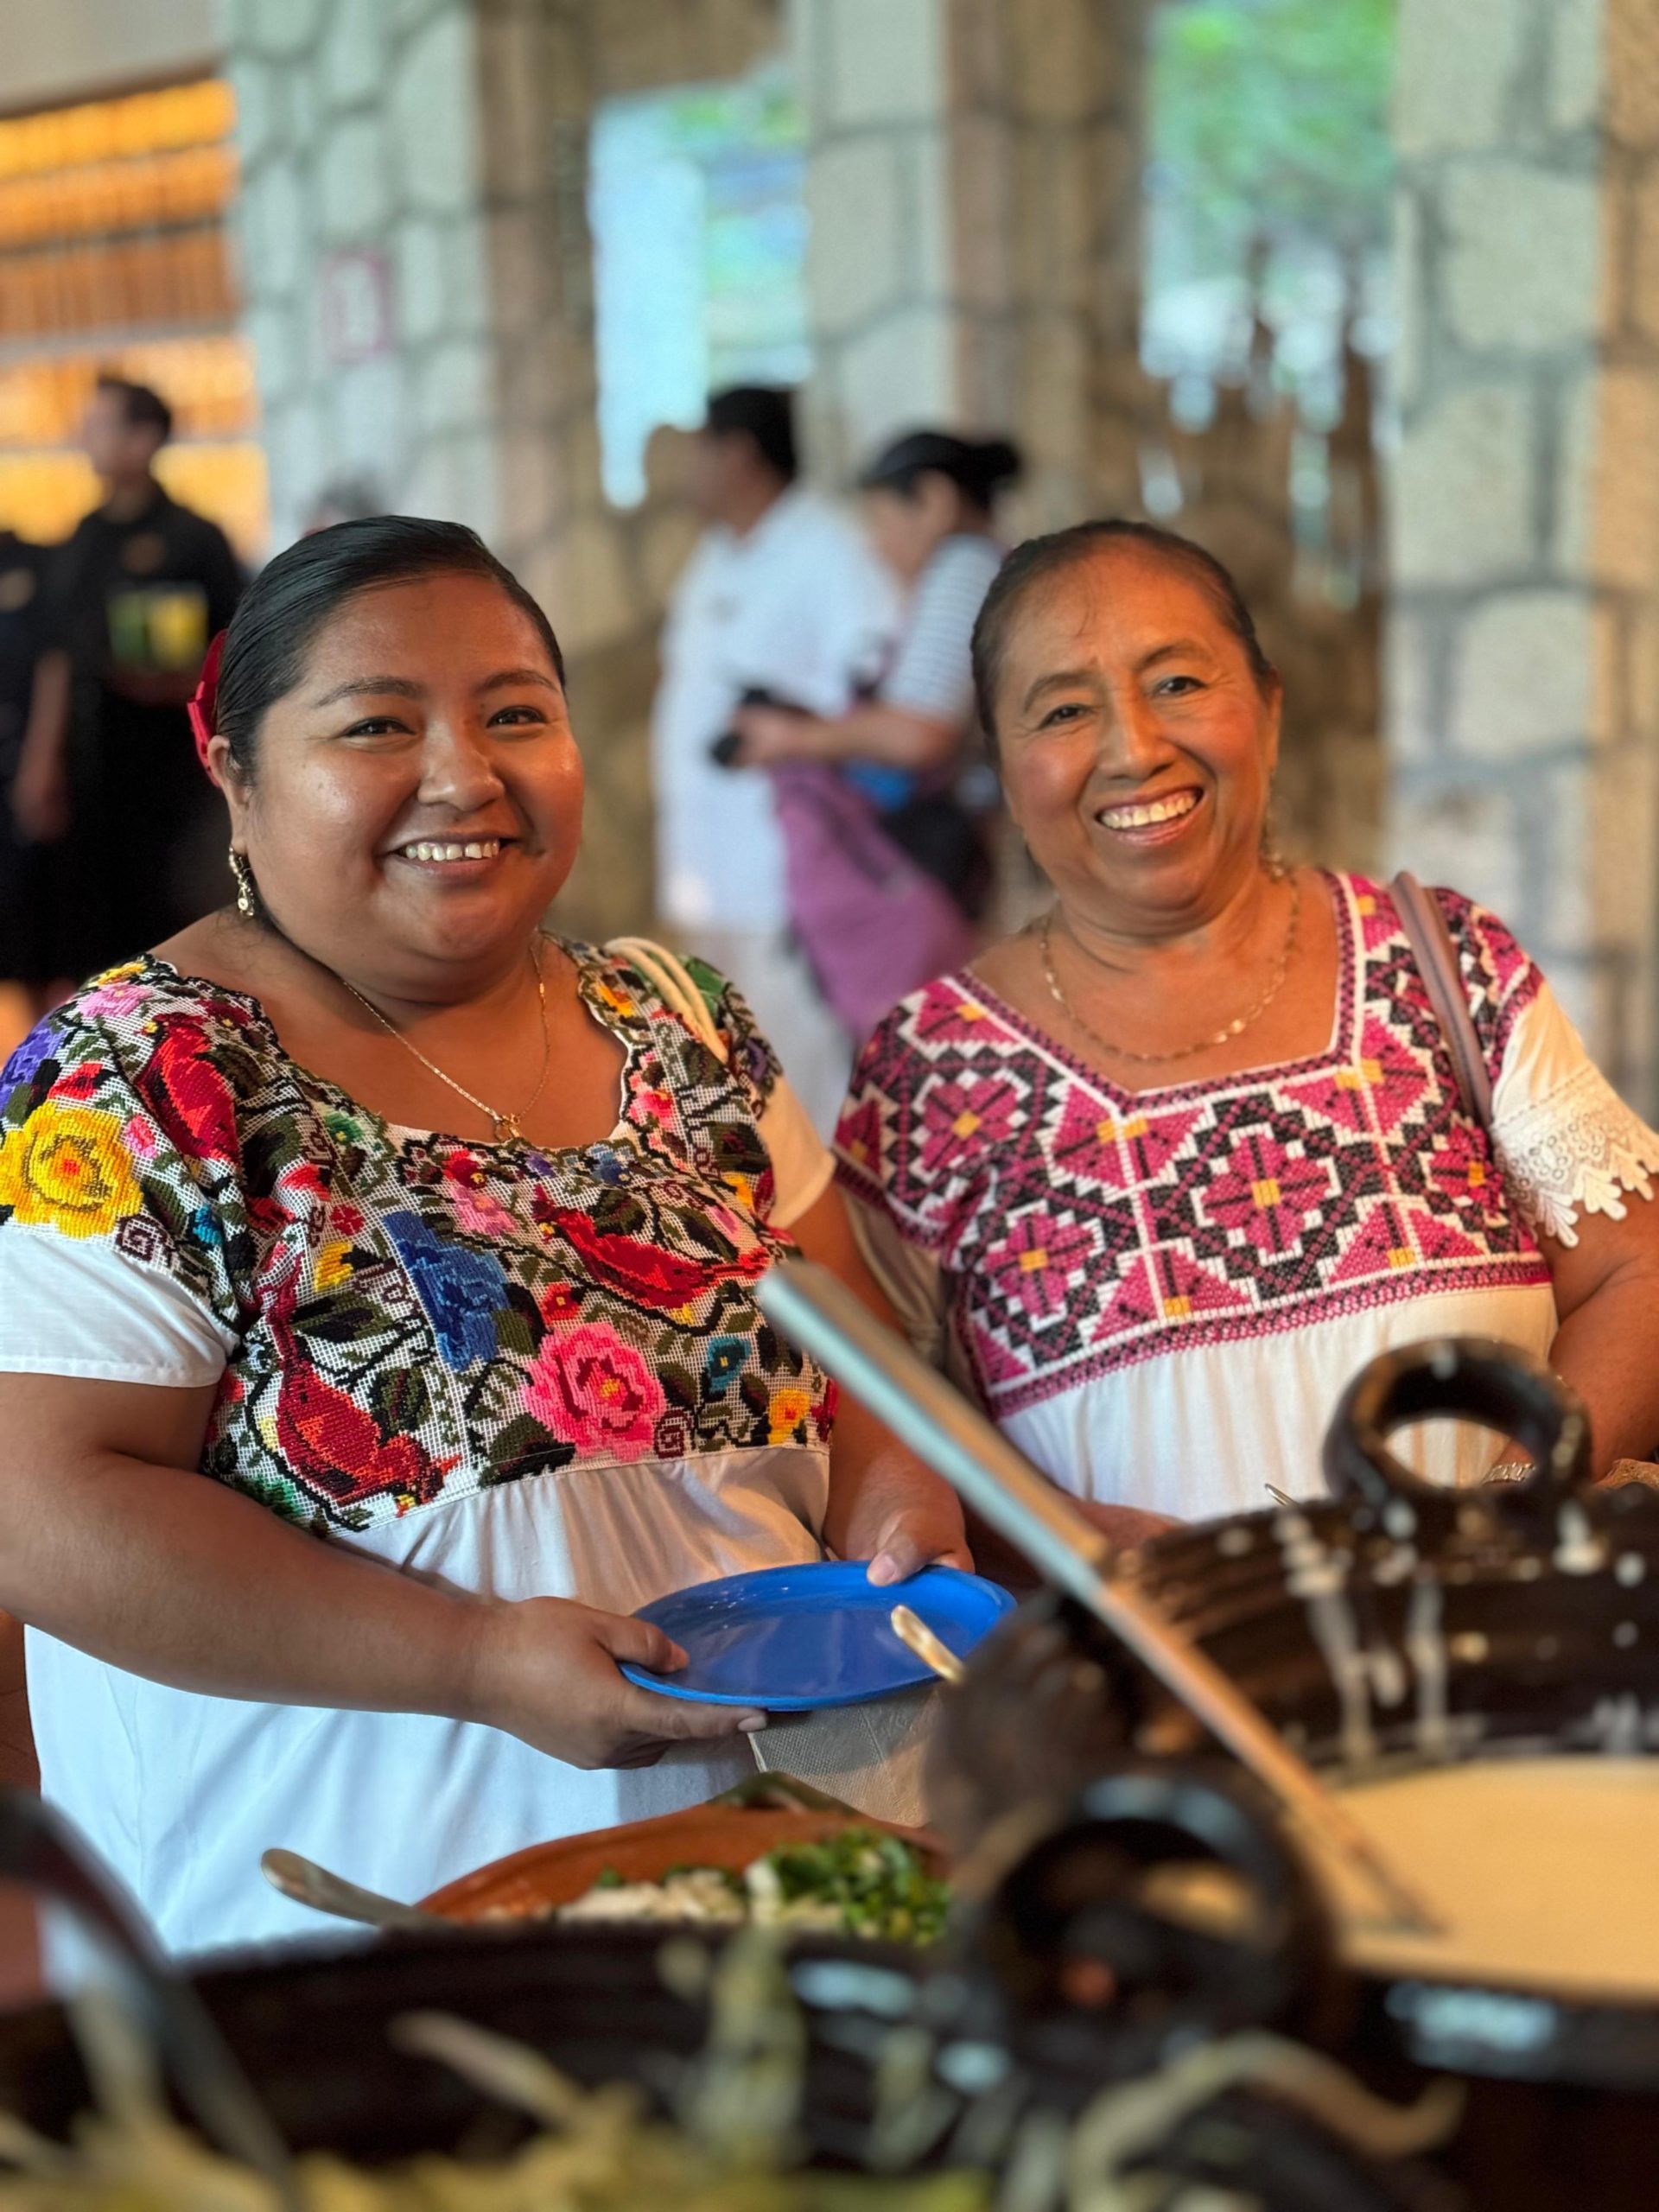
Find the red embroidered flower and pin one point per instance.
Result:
(346, 1221)
(559, 1304)
(589, 1388)
(79, 1081)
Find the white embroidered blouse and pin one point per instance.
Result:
(1161, 1295)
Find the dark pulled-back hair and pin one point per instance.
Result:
(764, 413)
(977, 466)
(141, 408)
(279, 616)
(1041, 558)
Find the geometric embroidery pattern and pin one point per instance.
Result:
(1081, 1228)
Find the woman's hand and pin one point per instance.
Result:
(770, 733)
(902, 1519)
(545, 1669)
(1125, 1526)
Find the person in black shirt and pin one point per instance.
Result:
(109, 765)
(32, 952)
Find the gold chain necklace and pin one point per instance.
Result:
(1235, 1028)
(505, 1128)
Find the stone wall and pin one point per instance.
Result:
(431, 157)
(1524, 653)
(362, 244)
(604, 575)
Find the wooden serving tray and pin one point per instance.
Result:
(730, 1831)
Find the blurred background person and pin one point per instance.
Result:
(781, 598)
(888, 809)
(109, 767)
(34, 963)
(929, 502)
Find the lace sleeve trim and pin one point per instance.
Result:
(1575, 1152)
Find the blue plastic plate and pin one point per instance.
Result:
(793, 1639)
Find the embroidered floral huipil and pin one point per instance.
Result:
(521, 1373)
(1161, 1295)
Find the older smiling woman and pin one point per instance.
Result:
(1158, 1175)
(419, 1232)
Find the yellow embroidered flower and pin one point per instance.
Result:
(333, 1264)
(789, 1408)
(64, 1169)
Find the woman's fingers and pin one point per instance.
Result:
(626, 1637)
(667, 1719)
(912, 1541)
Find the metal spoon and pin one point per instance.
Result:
(306, 1882)
(816, 1310)
(913, 1632)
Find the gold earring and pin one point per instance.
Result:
(246, 897)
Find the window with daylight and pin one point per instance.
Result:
(696, 203)
(1268, 189)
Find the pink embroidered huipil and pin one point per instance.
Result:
(1159, 1295)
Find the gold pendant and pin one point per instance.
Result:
(507, 1130)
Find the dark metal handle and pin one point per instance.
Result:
(1468, 1378)
(1075, 1946)
(40, 1850)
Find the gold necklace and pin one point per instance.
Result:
(1235, 1028)
(506, 1129)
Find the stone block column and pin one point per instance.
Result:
(1523, 648)
(974, 183)
(363, 249)
(416, 171)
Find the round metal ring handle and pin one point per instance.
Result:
(1467, 1378)
(1075, 1947)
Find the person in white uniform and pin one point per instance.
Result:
(781, 596)
(378, 1328)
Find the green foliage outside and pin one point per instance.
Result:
(1269, 118)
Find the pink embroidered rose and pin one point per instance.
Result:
(118, 995)
(139, 1136)
(589, 1388)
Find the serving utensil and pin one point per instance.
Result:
(818, 1313)
(306, 1882)
(913, 1632)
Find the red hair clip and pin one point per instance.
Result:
(203, 708)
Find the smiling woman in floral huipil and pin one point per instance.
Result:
(513, 1377)
(1157, 1176)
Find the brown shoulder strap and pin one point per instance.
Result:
(1436, 963)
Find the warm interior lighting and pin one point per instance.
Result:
(114, 256)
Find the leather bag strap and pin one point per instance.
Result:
(1436, 963)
